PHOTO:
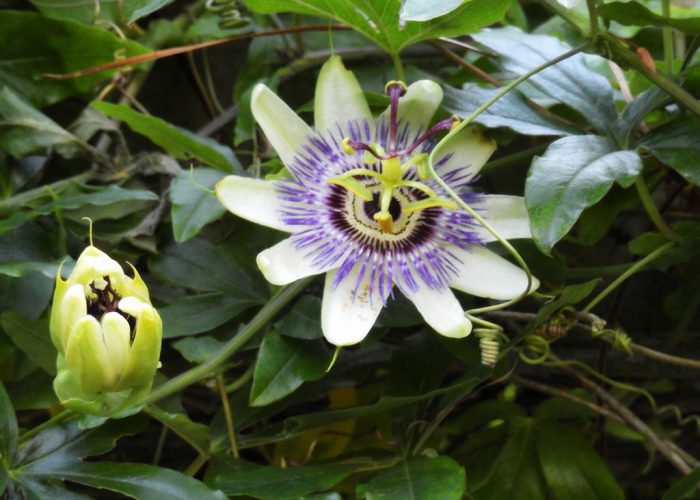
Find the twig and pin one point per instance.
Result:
(629, 417)
(465, 64)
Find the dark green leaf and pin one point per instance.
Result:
(635, 111)
(32, 338)
(192, 206)
(138, 480)
(677, 145)
(515, 472)
(35, 45)
(580, 474)
(571, 295)
(421, 478)
(570, 82)
(195, 434)
(380, 23)
(236, 477)
(117, 11)
(685, 488)
(24, 130)
(201, 313)
(197, 350)
(199, 265)
(688, 244)
(179, 142)
(425, 10)
(8, 430)
(303, 321)
(510, 111)
(283, 364)
(636, 14)
(574, 173)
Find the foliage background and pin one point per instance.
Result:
(604, 146)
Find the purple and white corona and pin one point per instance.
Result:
(361, 208)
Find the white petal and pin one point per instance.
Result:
(441, 310)
(506, 214)
(339, 98)
(133, 306)
(485, 274)
(284, 263)
(418, 106)
(346, 317)
(93, 264)
(251, 199)
(282, 126)
(468, 150)
(117, 334)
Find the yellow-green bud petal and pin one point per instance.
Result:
(117, 336)
(87, 357)
(142, 361)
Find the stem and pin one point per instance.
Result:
(632, 420)
(228, 414)
(196, 465)
(592, 18)
(680, 95)
(652, 211)
(667, 34)
(241, 381)
(53, 421)
(199, 372)
(398, 66)
(632, 270)
(462, 203)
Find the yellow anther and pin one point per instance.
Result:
(369, 158)
(385, 221)
(347, 147)
(457, 121)
(415, 206)
(391, 83)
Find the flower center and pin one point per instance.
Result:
(106, 299)
(383, 205)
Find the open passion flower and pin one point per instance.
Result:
(361, 208)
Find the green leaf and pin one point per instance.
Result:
(511, 111)
(32, 338)
(199, 265)
(35, 45)
(379, 21)
(425, 10)
(283, 364)
(515, 472)
(677, 145)
(138, 480)
(201, 313)
(195, 434)
(179, 142)
(685, 488)
(8, 430)
(237, 478)
(24, 130)
(574, 173)
(421, 478)
(192, 206)
(571, 295)
(635, 111)
(116, 11)
(303, 321)
(197, 350)
(636, 14)
(581, 474)
(570, 82)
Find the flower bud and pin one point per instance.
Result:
(107, 333)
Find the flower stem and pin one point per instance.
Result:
(52, 422)
(667, 34)
(632, 270)
(199, 372)
(398, 66)
(230, 429)
(651, 209)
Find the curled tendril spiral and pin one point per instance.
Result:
(229, 13)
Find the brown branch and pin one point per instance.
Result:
(173, 51)
(668, 451)
(465, 64)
